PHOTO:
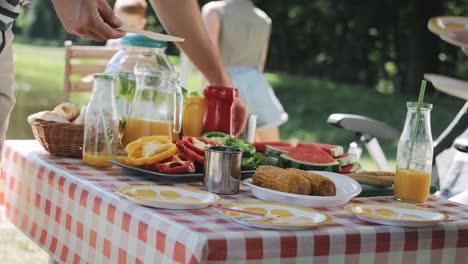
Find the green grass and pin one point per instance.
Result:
(309, 101)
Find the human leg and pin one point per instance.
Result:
(267, 134)
(7, 96)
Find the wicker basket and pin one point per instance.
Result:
(58, 138)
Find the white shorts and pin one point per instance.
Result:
(259, 96)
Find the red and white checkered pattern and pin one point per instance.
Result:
(71, 211)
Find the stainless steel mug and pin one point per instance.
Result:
(222, 170)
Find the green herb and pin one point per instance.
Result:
(126, 86)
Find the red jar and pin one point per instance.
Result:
(219, 109)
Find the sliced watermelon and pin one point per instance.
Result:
(269, 160)
(351, 168)
(276, 151)
(309, 157)
(260, 146)
(333, 150)
(346, 159)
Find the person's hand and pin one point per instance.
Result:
(240, 116)
(460, 37)
(92, 19)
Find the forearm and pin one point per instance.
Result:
(182, 18)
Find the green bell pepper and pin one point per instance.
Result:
(247, 148)
(252, 162)
(215, 134)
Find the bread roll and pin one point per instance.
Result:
(67, 110)
(48, 116)
(81, 118)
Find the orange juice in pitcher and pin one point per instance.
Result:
(136, 128)
(157, 105)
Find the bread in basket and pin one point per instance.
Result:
(60, 131)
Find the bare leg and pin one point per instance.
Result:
(267, 134)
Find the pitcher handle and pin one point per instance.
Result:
(178, 107)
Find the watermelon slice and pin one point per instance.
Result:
(351, 168)
(260, 146)
(333, 150)
(346, 159)
(309, 157)
(276, 151)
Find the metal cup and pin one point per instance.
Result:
(222, 170)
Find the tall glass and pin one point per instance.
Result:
(414, 156)
(101, 132)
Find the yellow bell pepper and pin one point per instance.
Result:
(149, 150)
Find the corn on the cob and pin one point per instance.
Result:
(278, 179)
(320, 185)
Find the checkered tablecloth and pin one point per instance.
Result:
(71, 211)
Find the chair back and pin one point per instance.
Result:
(80, 63)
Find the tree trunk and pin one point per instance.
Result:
(422, 45)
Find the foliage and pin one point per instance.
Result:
(383, 45)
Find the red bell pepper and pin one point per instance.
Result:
(179, 163)
(198, 144)
(190, 153)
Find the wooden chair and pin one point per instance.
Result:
(80, 63)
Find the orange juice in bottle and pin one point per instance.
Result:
(412, 185)
(101, 130)
(414, 156)
(97, 160)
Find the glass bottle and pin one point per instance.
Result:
(157, 105)
(414, 156)
(192, 121)
(101, 131)
(134, 49)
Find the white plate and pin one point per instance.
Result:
(168, 197)
(346, 188)
(279, 216)
(396, 215)
(443, 25)
(452, 86)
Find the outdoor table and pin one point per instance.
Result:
(72, 212)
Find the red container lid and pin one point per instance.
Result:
(221, 91)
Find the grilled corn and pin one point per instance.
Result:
(282, 180)
(320, 185)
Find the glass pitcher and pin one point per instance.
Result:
(134, 49)
(101, 131)
(156, 107)
(414, 156)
